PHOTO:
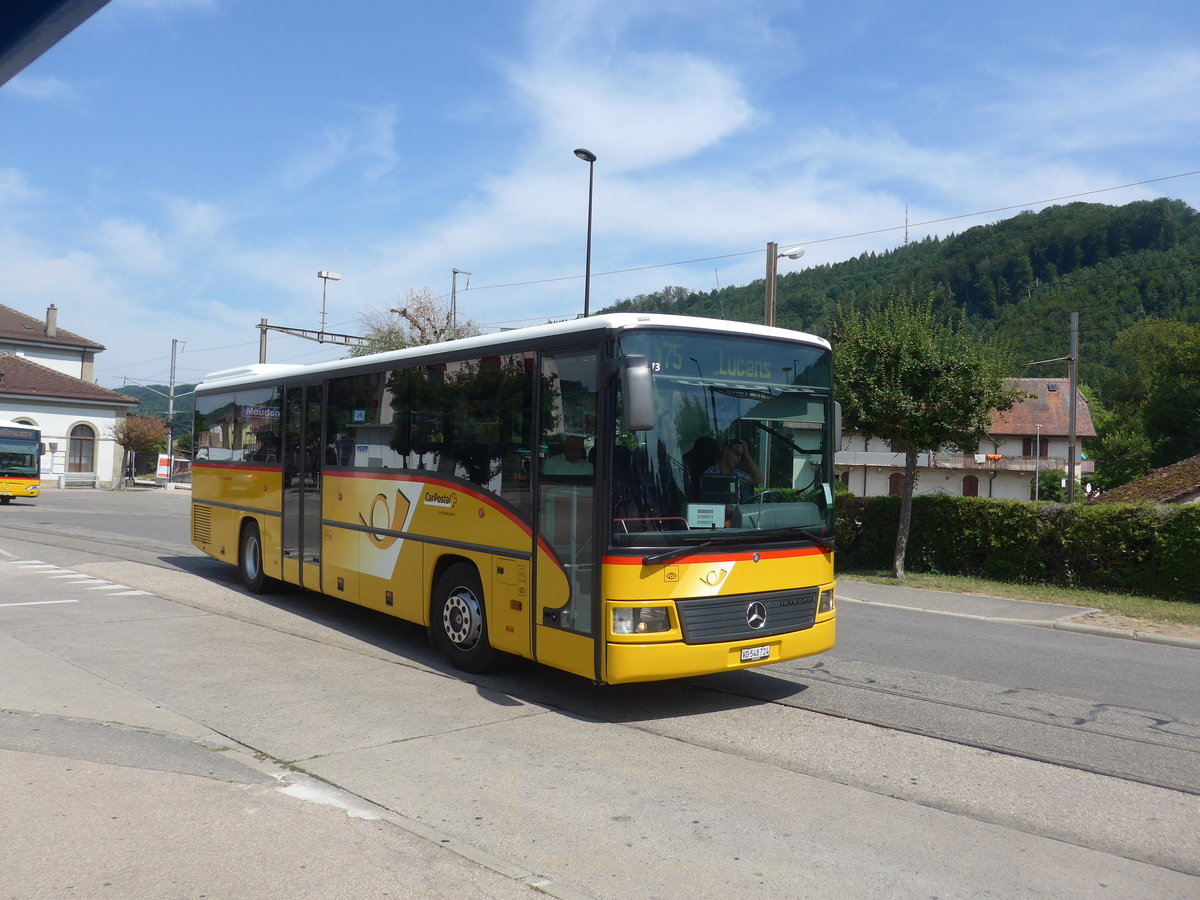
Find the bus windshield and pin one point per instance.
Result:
(19, 458)
(740, 447)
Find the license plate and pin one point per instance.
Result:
(751, 654)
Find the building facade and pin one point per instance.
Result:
(1032, 437)
(46, 380)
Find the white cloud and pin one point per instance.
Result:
(132, 247)
(15, 189)
(367, 138)
(1113, 98)
(649, 110)
(44, 89)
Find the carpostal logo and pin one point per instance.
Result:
(444, 499)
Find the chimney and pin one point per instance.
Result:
(52, 321)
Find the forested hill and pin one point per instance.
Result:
(152, 401)
(1021, 278)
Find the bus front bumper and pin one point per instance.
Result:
(18, 489)
(657, 662)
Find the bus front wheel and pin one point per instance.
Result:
(458, 621)
(250, 560)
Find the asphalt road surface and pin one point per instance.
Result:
(294, 745)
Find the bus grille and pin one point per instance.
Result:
(706, 621)
(202, 524)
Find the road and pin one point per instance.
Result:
(928, 754)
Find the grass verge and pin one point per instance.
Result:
(1146, 608)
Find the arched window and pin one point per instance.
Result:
(82, 455)
(896, 484)
(970, 485)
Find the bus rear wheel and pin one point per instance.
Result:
(458, 621)
(250, 560)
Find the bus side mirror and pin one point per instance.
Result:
(638, 391)
(837, 426)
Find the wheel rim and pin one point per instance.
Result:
(462, 618)
(251, 559)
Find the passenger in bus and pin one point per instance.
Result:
(735, 460)
(572, 461)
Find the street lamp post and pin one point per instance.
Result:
(773, 256)
(326, 277)
(1037, 463)
(454, 273)
(590, 158)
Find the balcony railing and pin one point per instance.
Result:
(970, 462)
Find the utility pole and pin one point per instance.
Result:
(772, 262)
(171, 415)
(1072, 362)
(454, 273)
(1073, 365)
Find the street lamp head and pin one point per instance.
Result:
(792, 252)
(586, 155)
(329, 276)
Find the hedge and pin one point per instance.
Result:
(1133, 548)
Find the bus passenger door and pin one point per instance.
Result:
(302, 460)
(565, 485)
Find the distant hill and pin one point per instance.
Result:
(152, 401)
(1019, 278)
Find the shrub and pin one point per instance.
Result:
(1134, 548)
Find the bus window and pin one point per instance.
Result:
(567, 466)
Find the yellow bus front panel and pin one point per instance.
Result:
(14, 486)
(715, 613)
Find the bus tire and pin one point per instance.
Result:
(250, 560)
(458, 621)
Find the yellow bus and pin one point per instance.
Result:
(625, 497)
(20, 461)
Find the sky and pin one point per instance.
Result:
(178, 170)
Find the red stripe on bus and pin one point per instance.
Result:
(718, 557)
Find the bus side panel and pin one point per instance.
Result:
(340, 563)
(508, 607)
(216, 527)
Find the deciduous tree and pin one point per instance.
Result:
(919, 379)
(421, 320)
(139, 434)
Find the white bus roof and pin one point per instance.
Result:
(496, 342)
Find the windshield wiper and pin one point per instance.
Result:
(747, 537)
(678, 551)
(825, 542)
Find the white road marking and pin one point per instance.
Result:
(39, 602)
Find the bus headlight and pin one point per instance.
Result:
(825, 604)
(640, 620)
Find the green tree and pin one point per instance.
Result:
(422, 320)
(918, 379)
(1051, 485)
(1172, 411)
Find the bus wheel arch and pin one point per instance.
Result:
(458, 617)
(250, 558)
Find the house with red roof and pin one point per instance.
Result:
(47, 379)
(1031, 437)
